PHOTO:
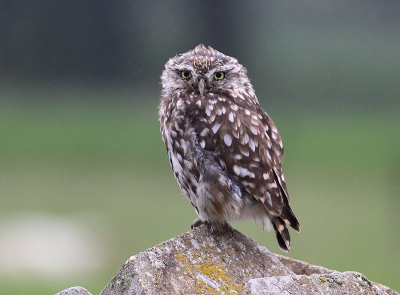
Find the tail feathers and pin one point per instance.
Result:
(288, 216)
(282, 233)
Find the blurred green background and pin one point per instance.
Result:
(85, 180)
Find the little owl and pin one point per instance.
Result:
(225, 151)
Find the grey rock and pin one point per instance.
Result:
(302, 268)
(195, 262)
(334, 283)
(74, 291)
(204, 262)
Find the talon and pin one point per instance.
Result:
(198, 222)
(220, 228)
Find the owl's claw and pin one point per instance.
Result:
(199, 222)
(213, 227)
(225, 227)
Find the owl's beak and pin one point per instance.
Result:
(201, 85)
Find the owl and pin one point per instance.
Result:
(224, 149)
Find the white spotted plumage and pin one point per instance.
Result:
(225, 151)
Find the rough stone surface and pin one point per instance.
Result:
(302, 268)
(201, 262)
(197, 262)
(334, 283)
(74, 291)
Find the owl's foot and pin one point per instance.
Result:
(215, 228)
(199, 222)
(222, 227)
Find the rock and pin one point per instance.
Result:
(302, 268)
(335, 283)
(201, 262)
(74, 291)
(195, 262)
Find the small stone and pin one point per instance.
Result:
(74, 291)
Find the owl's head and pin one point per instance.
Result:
(204, 70)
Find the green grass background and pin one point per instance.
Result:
(105, 157)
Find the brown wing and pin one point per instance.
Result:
(241, 140)
(277, 150)
(248, 147)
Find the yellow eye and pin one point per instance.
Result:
(219, 75)
(186, 74)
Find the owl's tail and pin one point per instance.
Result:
(282, 233)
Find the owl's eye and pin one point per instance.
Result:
(219, 75)
(186, 74)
